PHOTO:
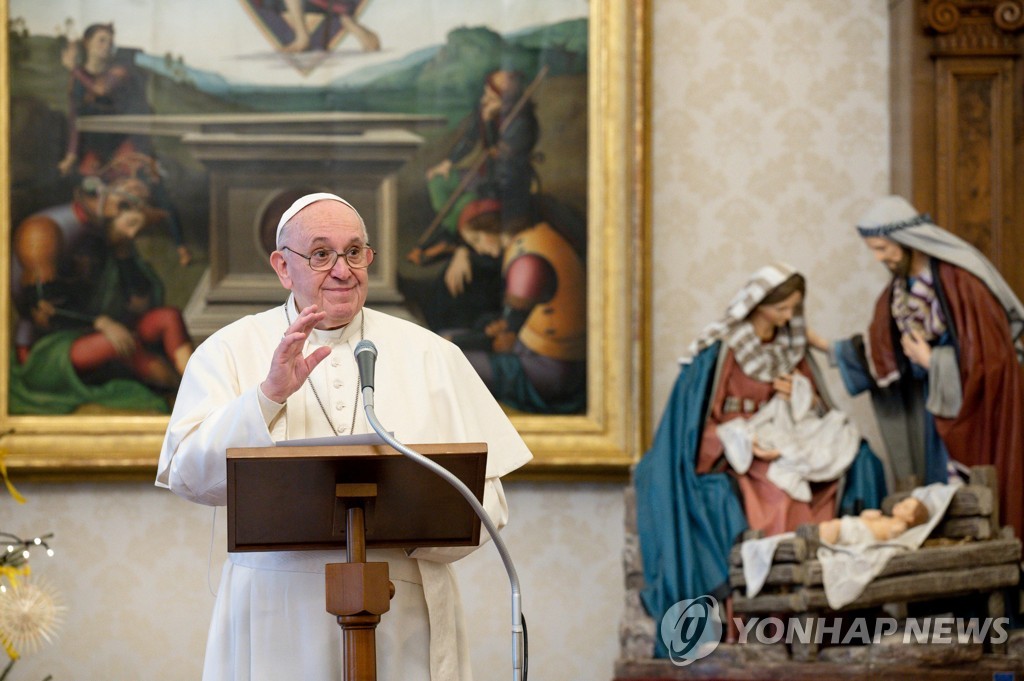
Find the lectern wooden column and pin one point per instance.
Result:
(357, 497)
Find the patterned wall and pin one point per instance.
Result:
(770, 135)
(770, 130)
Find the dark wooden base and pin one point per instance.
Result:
(765, 665)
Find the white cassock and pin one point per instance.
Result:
(270, 620)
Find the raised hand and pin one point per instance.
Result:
(288, 368)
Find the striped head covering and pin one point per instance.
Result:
(894, 218)
(762, 361)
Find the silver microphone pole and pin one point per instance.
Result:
(506, 558)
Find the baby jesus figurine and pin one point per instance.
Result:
(872, 526)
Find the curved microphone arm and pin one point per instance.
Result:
(506, 558)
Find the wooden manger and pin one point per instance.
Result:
(967, 555)
(967, 558)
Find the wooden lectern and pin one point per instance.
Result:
(352, 496)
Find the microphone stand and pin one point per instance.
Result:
(506, 558)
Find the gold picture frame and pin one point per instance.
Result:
(600, 443)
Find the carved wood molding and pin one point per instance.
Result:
(974, 27)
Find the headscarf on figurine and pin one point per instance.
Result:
(760, 361)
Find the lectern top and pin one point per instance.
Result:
(285, 451)
(286, 497)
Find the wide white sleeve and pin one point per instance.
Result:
(469, 408)
(216, 409)
(480, 415)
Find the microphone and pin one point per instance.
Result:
(366, 356)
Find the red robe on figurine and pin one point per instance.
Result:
(971, 395)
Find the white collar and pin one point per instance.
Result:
(343, 334)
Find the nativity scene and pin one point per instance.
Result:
(761, 503)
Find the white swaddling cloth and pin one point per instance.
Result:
(757, 560)
(847, 570)
(811, 448)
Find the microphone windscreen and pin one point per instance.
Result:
(366, 356)
(365, 346)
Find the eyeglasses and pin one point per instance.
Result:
(323, 259)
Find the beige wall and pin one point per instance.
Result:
(770, 135)
(131, 563)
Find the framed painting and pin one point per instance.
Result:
(152, 149)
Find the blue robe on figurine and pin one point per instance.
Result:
(687, 523)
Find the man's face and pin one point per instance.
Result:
(125, 226)
(124, 210)
(889, 253)
(100, 45)
(490, 103)
(340, 291)
(485, 243)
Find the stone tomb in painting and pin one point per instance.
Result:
(257, 164)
